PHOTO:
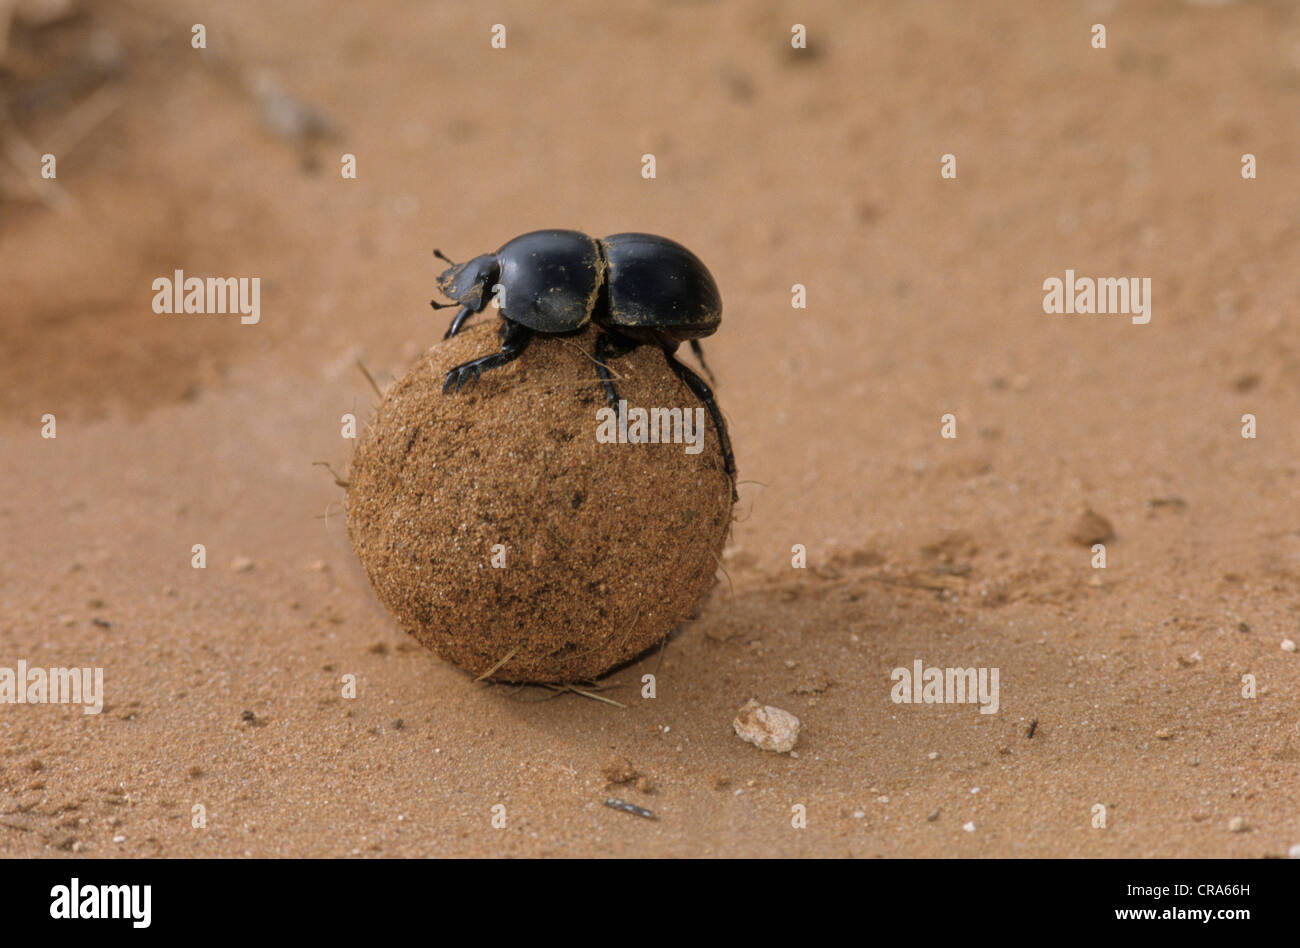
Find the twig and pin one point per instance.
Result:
(731, 587)
(663, 647)
(370, 378)
(497, 667)
(84, 118)
(632, 808)
(337, 479)
(562, 689)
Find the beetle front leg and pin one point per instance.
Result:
(514, 340)
(456, 324)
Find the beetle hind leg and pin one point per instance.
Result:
(699, 355)
(705, 395)
(611, 346)
(514, 340)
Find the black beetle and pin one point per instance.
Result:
(641, 289)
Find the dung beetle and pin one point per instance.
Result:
(639, 288)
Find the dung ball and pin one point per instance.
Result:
(513, 531)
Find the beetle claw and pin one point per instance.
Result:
(461, 376)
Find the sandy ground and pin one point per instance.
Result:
(778, 167)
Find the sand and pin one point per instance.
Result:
(777, 167)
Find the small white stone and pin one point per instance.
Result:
(933, 755)
(241, 564)
(858, 814)
(1294, 851)
(766, 727)
(119, 839)
(968, 827)
(1288, 645)
(1236, 825)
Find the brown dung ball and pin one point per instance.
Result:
(606, 546)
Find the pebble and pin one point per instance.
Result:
(241, 564)
(1288, 645)
(1237, 825)
(1090, 528)
(766, 727)
(968, 827)
(283, 113)
(1294, 851)
(618, 770)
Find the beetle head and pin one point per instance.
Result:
(470, 283)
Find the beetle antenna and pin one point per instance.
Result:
(442, 256)
(436, 305)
